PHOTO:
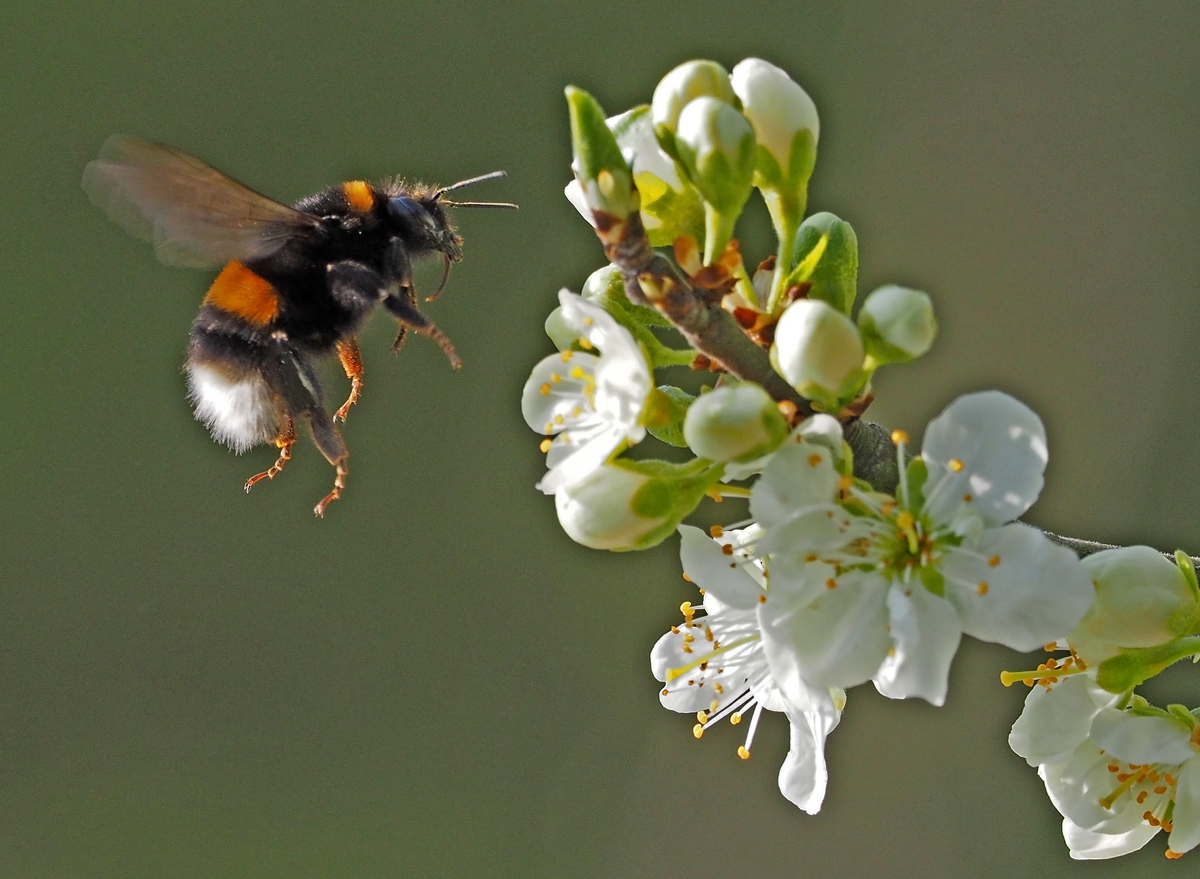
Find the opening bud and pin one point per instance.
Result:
(627, 505)
(688, 81)
(734, 423)
(897, 324)
(1142, 600)
(717, 149)
(784, 119)
(819, 351)
(605, 179)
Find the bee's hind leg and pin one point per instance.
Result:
(329, 441)
(284, 442)
(404, 308)
(352, 363)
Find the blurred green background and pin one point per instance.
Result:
(434, 681)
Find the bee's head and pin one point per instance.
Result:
(421, 222)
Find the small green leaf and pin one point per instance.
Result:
(834, 274)
(916, 475)
(933, 580)
(665, 412)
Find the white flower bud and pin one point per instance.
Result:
(897, 324)
(1142, 600)
(688, 81)
(614, 508)
(776, 106)
(817, 349)
(735, 423)
(716, 145)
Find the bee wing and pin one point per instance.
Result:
(193, 214)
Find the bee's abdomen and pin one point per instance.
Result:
(228, 391)
(244, 294)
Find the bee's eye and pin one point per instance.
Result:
(408, 208)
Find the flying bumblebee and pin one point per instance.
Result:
(296, 283)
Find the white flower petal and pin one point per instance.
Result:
(1185, 835)
(1013, 586)
(799, 475)
(1134, 739)
(987, 447)
(804, 776)
(1077, 786)
(925, 632)
(698, 689)
(1088, 846)
(838, 640)
(717, 574)
(1056, 720)
(574, 193)
(550, 393)
(572, 461)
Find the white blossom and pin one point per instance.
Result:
(864, 586)
(714, 664)
(590, 403)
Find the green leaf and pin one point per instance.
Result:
(602, 169)
(664, 414)
(834, 275)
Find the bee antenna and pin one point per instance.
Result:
(480, 179)
(481, 204)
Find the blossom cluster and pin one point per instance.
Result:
(851, 564)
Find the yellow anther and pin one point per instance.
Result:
(686, 577)
(587, 321)
(686, 609)
(982, 589)
(549, 428)
(688, 639)
(905, 520)
(743, 753)
(567, 355)
(811, 557)
(702, 717)
(726, 549)
(845, 483)
(899, 436)
(716, 531)
(544, 445)
(545, 389)
(698, 730)
(955, 465)
(735, 718)
(558, 419)
(967, 498)
(585, 344)
(831, 583)
(993, 561)
(814, 459)
(713, 705)
(577, 372)
(555, 377)
(762, 599)
(1173, 856)
(720, 690)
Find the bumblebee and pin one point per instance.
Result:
(296, 284)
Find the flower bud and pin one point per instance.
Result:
(625, 505)
(688, 81)
(716, 147)
(831, 268)
(605, 180)
(897, 324)
(1142, 600)
(670, 206)
(818, 350)
(735, 423)
(784, 119)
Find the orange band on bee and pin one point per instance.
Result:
(359, 195)
(241, 292)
